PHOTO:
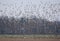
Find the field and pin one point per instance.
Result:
(29, 37)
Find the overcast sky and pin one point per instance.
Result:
(21, 4)
(18, 2)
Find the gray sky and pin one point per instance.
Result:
(18, 2)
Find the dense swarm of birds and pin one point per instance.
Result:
(50, 12)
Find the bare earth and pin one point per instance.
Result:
(27, 39)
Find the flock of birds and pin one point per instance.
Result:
(50, 12)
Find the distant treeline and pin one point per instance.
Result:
(28, 26)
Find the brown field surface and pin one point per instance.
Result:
(28, 39)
